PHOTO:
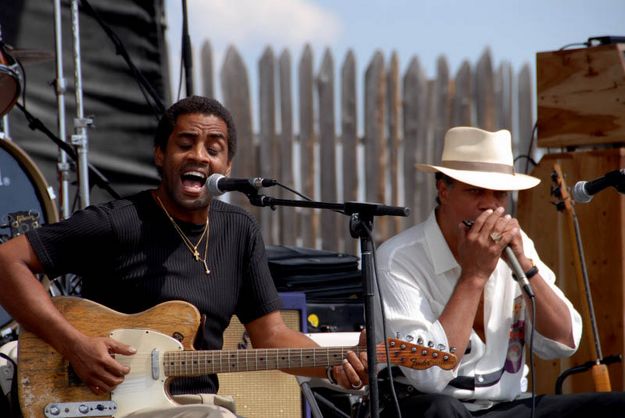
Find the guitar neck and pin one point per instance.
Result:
(198, 363)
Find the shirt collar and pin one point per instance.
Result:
(442, 258)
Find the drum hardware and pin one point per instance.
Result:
(25, 203)
(29, 56)
(10, 80)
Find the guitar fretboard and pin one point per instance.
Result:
(197, 363)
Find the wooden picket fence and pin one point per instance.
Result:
(405, 120)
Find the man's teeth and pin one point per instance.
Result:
(195, 174)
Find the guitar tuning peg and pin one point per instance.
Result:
(420, 341)
(398, 335)
(409, 338)
(430, 344)
(452, 350)
(441, 347)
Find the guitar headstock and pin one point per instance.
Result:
(419, 357)
(21, 222)
(559, 190)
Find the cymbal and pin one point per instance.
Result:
(30, 56)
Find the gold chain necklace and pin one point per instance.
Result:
(187, 242)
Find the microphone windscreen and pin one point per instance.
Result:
(212, 184)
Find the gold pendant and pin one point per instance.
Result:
(206, 267)
(196, 255)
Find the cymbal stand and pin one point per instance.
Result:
(63, 167)
(80, 138)
(4, 132)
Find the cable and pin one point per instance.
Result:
(586, 44)
(95, 175)
(531, 349)
(146, 88)
(180, 78)
(529, 148)
(303, 196)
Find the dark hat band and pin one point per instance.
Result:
(478, 166)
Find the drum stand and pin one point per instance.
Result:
(63, 167)
(80, 138)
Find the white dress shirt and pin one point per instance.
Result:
(417, 275)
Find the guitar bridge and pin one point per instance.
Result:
(80, 409)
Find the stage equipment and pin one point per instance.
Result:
(266, 394)
(583, 191)
(361, 226)
(219, 184)
(26, 201)
(600, 375)
(581, 95)
(602, 228)
(10, 80)
(80, 140)
(324, 276)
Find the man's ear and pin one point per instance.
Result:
(443, 189)
(158, 157)
(229, 169)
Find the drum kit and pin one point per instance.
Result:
(25, 198)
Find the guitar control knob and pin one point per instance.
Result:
(424, 352)
(55, 410)
(445, 357)
(83, 409)
(434, 355)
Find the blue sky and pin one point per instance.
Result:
(513, 30)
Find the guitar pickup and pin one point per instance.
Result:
(80, 409)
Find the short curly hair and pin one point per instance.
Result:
(195, 104)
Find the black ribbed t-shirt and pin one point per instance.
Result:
(131, 258)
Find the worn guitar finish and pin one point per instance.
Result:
(163, 337)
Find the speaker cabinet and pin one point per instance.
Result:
(265, 394)
(581, 93)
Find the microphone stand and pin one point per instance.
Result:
(361, 225)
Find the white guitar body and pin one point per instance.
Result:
(141, 388)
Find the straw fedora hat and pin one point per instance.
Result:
(480, 158)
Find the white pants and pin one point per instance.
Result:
(191, 406)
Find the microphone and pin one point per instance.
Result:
(517, 272)
(583, 191)
(219, 184)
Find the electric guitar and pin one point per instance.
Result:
(163, 337)
(559, 190)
